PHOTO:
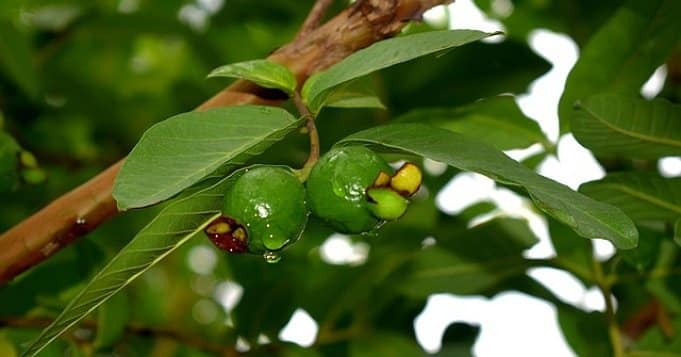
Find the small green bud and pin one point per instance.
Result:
(386, 204)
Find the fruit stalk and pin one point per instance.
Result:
(313, 156)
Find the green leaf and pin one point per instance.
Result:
(458, 340)
(477, 70)
(468, 261)
(645, 255)
(358, 93)
(665, 290)
(7, 348)
(615, 125)
(9, 162)
(174, 226)
(16, 58)
(677, 231)
(623, 54)
(657, 343)
(178, 152)
(575, 254)
(385, 344)
(381, 55)
(112, 318)
(496, 121)
(356, 100)
(261, 72)
(585, 332)
(589, 218)
(642, 196)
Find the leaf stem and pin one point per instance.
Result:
(604, 285)
(312, 158)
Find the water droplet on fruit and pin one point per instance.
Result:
(271, 257)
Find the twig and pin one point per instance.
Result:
(313, 156)
(314, 18)
(77, 212)
(613, 328)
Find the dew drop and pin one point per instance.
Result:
(271, 257)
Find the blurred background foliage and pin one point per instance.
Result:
(81, 80)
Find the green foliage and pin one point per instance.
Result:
(469, 262)
(589, 218)
(82, 81)
(635, 128)
(496, 121)
(9, 162)
(623, 54)
(383, 54)
(112, 318)
(173, 226)
(261, 72)
(176, 153)
(577, 18)
(642, 196)
(16, 57)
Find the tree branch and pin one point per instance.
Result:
(314, 18)
(86, 207)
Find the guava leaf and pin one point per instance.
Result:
(624, 53)
(381, 55)
(642, 196)
(615, 125)
(174, 226)
(589, 218)
(497, 121)
(178, 152)
(264, 73)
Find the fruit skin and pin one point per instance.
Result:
(336, 188)
(269, 201)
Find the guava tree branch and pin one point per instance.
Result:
(314, 18)
(86, 207)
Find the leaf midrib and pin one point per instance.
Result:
(241, 150)
(75, 319)
(640, 136)
(545, 192)
(643, 196)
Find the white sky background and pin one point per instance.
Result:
(511, 323)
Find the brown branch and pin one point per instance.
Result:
(314, 18)
(86, 207)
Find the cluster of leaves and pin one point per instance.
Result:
(190, 159)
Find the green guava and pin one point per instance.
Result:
(337, 188)
(264, 211)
